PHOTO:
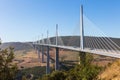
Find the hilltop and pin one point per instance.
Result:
(17, 45)
(64, 40)
(26, 57)
(75, 41)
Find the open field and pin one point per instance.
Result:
(30, 59)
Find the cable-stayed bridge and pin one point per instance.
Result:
(101, 45)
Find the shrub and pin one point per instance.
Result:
(86, 71)
(7, 68)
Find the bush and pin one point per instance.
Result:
(88, 71)
(7, 68)
(37, 72)
(56, 75)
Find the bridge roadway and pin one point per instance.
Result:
(109, 53)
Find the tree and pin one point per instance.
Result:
(85, 71)
(56, 75)
(7, 68)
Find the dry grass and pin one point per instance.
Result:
(31, 54)
(69, 55)
(112, 72)
(30, 59)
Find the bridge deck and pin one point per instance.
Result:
(87, 50)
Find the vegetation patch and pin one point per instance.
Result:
(37, 72)
(88, 71)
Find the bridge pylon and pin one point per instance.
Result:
(42, 49)
(81, 28)
(82, 54)
(57, 50)
(48, 57)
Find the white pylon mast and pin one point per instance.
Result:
(47, 37)
(42, 39)
(81, 28)
(56, 34)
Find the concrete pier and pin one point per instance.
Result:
(48, 61)
(57, 59)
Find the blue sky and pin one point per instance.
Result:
(25, 20)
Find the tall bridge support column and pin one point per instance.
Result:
(42, 54)
(82, 41)
(57, 59)
(82, 56)
(39, 54)
(36, 49)
(48, 61)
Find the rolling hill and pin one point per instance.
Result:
(17, 45)
(64, 40)
(97, 41)
(110, 72)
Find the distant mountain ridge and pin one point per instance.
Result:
(75, 40)
(17, 45)
(66, 40)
